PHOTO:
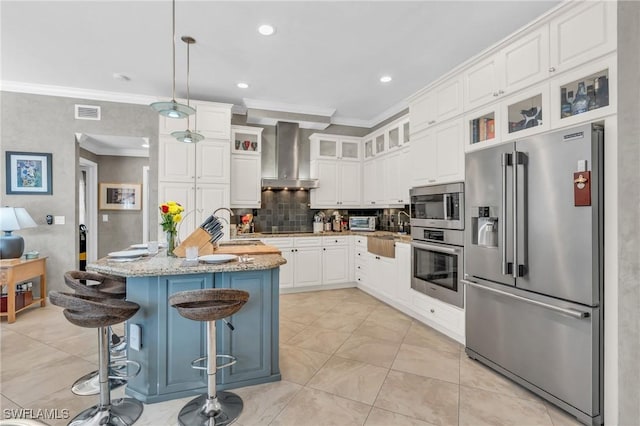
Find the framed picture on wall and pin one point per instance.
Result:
(29, 173)
(120, 196)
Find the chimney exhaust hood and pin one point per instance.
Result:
(287, 160)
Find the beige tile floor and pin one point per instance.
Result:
(345, 358)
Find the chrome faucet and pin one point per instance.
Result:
(222, 217)
(405, 213)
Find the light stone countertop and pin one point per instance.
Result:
(160, 264)
(404, 238)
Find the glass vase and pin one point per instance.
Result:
(171, 242)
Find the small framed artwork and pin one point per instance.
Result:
(29, 173)
(120, 196)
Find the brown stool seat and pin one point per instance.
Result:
(91, 311)
(108, 286)
(208, 304)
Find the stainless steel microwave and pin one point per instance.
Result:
(438, 206)
(362, 223)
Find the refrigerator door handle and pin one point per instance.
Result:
(505, 162)
(514, 201)
(566, 311)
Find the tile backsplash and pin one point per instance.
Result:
(289, 211)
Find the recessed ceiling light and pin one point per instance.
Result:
(385, 79)
(243, 85)
(266, 30)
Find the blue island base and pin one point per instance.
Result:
(169, 342)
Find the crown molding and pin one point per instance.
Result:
(284, 107)
(370, 124)
(74, 92)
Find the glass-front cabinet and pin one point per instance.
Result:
(584, 94)
(368, 148)
(483, 126)
(526, 113)
(246, 140)
(379, 144)
(334, 147)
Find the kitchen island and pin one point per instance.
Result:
(168, 342)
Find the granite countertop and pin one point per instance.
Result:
(160, 264)
(404, 238)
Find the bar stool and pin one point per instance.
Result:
(212, 408)
(100, 313)
(107, 287)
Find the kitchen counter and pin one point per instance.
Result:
(168, 342)
(161, 264)
(405, 238)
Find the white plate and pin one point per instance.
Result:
(129, 253)
(146, 245)
(217, 258)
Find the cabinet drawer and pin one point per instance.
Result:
(307, 242)
(448, 316)
(360, 241)
(335, 241)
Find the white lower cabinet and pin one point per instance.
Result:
(304, 256)
(335, 259)
(383, 275)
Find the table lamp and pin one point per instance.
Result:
(12, 219)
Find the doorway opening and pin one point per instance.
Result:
(88, 205)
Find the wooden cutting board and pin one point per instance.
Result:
(239, 250)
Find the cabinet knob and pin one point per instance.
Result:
(433, 311)
(495, 94)
(501, 92)
(431, 180)
(324, 249)
(552, 69)
(431, 122)
(373, 202)
(336, 241)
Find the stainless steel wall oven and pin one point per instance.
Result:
(437, 261)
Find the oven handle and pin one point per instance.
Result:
(445, 201)
(567, 311)
(436, 248)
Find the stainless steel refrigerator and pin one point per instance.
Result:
(534, 265)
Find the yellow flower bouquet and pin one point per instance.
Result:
(171, 213)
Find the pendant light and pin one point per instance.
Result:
(187, 136)
(173, 109)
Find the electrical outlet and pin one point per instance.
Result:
(135, 337)
(105, 218)
(58, 220)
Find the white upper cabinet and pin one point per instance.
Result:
(437, 155)
(522, 63)
(482, 82)
(335, 147)
(211, 120)
(177, 160)
(212, 161)
(246, 166)
(526, 60)
(436, 105)
(581, 33)
(339, 184)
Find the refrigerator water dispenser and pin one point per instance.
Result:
(485, 228)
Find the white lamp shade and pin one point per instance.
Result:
(14, 218)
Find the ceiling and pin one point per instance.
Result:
(323, 56)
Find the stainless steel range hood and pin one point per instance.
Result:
(287, 160)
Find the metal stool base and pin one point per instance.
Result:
(122, 412)
(193, 414)
(89, 384)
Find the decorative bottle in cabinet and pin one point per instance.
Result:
(591, 95)
(565, 106)
(581, 102)
(601, 89)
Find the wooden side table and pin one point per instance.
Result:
(13, 271)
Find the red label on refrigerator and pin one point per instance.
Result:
(582, 189)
